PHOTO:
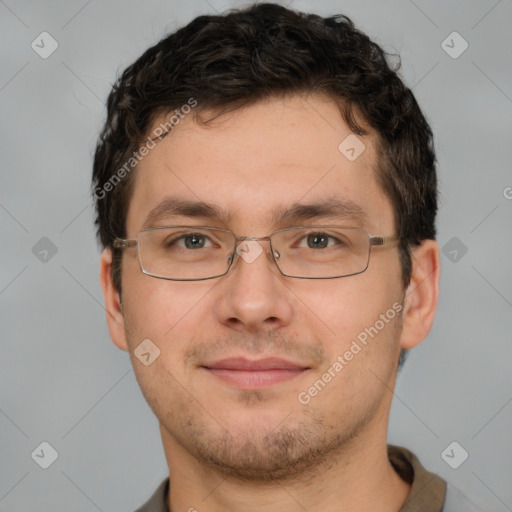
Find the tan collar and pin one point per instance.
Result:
(427, 491)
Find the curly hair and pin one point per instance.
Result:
(236, 59)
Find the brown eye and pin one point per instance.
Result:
(194, 241)
(318, 241)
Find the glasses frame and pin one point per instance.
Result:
(128, 243)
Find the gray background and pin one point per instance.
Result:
(64, 382)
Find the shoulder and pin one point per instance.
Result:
(157, 502)
(429, 492)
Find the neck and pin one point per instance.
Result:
(358, 477)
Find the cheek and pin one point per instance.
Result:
(359, 370)
(343, 307)
(357, 320)
(159, 309)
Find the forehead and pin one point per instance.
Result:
(255, 165)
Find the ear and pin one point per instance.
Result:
(421, 297)
(113, 307)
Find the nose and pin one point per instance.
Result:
(253, 295)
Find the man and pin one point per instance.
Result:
(266, 197)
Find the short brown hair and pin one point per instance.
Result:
(228, 61)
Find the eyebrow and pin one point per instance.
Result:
(333, 208)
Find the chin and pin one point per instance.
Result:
(257, 451)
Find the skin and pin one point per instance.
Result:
(234, 449)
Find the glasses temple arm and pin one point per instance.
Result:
(381, 240)
(122, 243)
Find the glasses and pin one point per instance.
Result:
(193, 253)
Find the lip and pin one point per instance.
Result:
(246, 374)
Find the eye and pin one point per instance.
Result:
(320, 241)
(191, 241)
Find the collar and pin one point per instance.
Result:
(427, 493)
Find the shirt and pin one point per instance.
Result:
(429, 493)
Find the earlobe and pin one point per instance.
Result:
(113, 307)
(421, 297)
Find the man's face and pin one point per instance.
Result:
(249, 163)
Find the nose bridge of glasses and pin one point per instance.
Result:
(241, 239)
(256, 239)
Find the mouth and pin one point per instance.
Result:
(246, 374)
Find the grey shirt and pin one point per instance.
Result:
(429, 493)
